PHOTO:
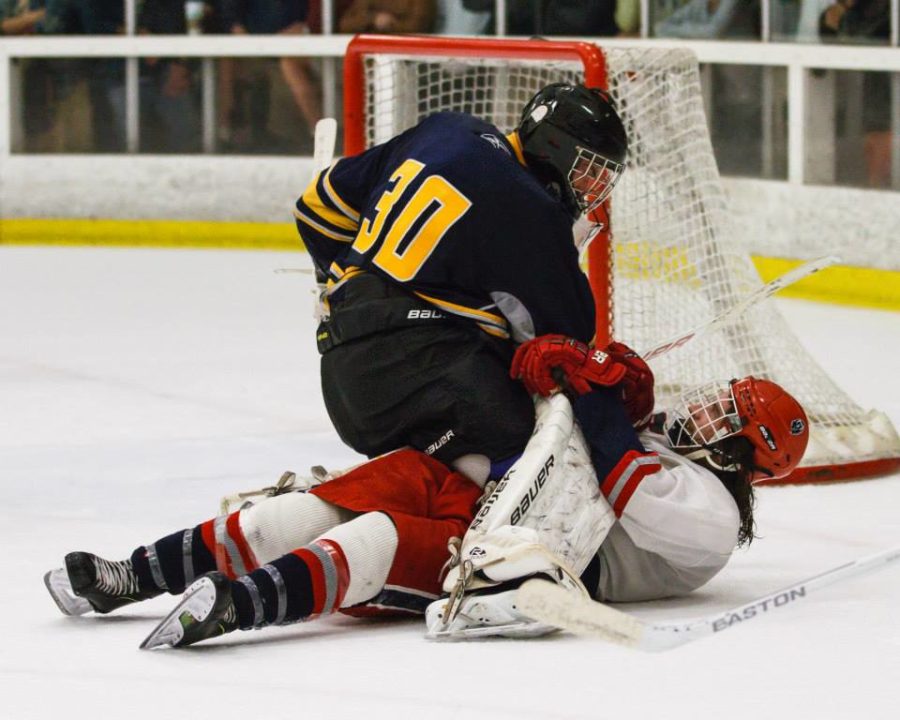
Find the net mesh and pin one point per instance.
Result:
(675, 263)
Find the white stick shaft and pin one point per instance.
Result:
(779, 599)
(738, 309)
(324, 142)
(325, 138)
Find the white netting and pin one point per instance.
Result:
(676, 263)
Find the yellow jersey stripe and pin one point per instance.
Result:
(513, 139)
(338, 272)
(336, 199)
(333, 285)
(496, 321)
(314, 204)
(340, 237)
(490, 330)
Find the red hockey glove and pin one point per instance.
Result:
(543, 360)
(637, 385)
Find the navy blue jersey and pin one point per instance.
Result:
(449, 211)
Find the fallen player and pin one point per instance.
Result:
(673, 502)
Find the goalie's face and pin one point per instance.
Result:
(704, 415)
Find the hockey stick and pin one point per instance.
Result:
(738, 309)
(552, 604)
(325, 138)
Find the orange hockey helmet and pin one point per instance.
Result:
(761, 411)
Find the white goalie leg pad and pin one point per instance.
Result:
(547, 516)
(547, 511)
(278, 525)
(575, 517)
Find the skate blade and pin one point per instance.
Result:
(195, 606)
(60, 589)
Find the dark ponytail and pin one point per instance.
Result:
(738, 451)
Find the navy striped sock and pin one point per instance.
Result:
(173, 562)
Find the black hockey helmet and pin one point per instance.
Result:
(575, 143)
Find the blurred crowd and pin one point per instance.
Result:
(268, 105)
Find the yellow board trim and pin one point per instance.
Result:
(151, 234)
(841, 284)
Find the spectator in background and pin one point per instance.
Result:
(628, 17)
(736, 118)
(454, 19)
(709, 19)
(388, 16)
(867, 21)
(20, 17)
(558, 17)
(266, 17)
(808, 22)
(858, 19)
(520, 15)
(39, 83)
(105, 76)
(314, 17)
(577, 17)
(170, 110)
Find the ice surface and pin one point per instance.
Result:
(137, 387)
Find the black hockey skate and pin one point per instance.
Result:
(205, 611)
(105, 584)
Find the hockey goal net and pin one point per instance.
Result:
(670, 261)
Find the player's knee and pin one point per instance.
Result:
(474, 466)
(369, 544)
(279, 524)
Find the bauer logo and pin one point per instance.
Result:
(797, 426)
(767, 436)
(424, 315)
(439, 443)
(528, 499)
(492, 498)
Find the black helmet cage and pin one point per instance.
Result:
(575, 143)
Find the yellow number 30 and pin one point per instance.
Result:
(436, 200)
